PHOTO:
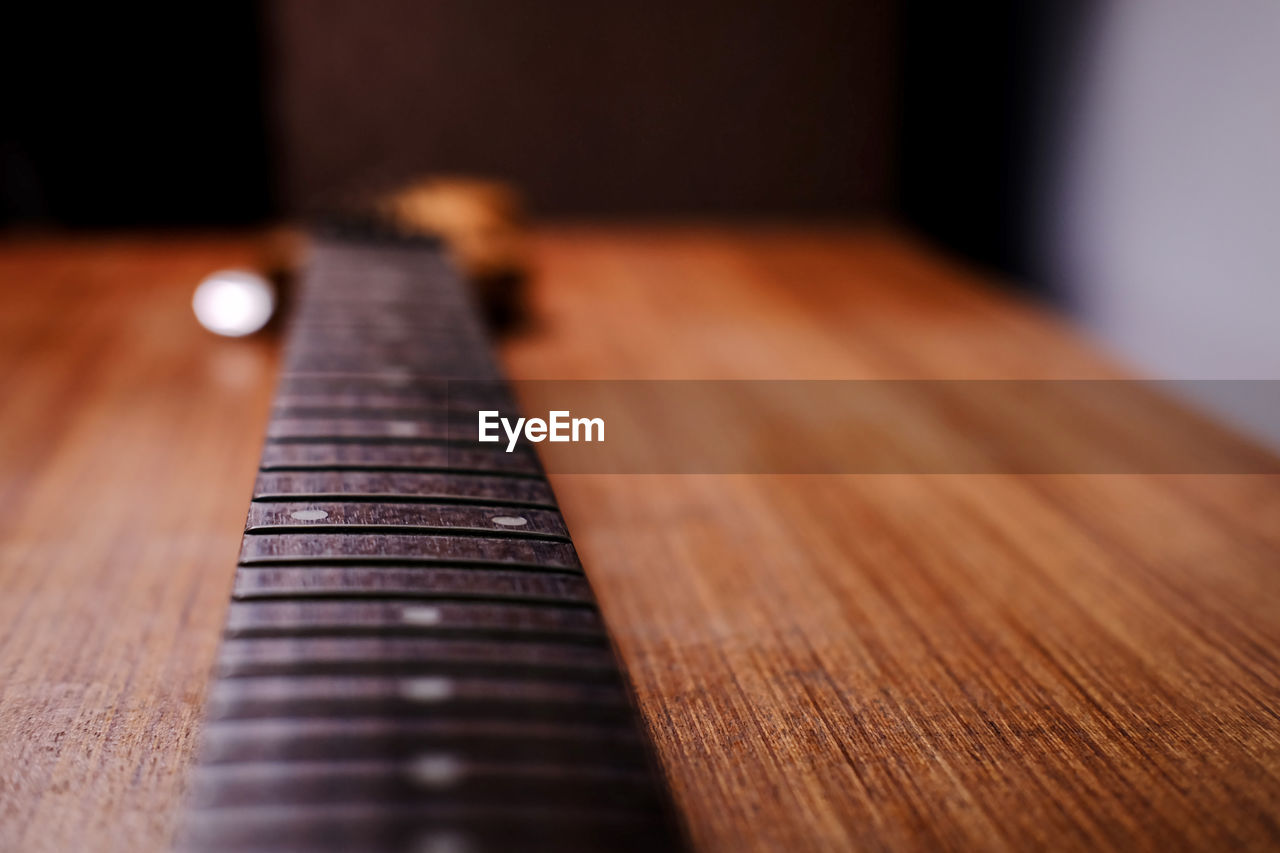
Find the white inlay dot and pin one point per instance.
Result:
(403, 429)
(509, 520)
(442, 842)
(428, 689)
(435, 771)
(421, 615)
(309, 514)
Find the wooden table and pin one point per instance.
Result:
(898, 662)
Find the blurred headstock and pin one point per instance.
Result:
(482, 225)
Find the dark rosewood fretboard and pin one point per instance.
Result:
(413, 659)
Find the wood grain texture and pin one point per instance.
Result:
(899, 662)
(128, 448)
(884, 662)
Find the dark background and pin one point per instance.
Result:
(1115, 158)
(244, 111)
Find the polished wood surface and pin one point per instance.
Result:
(891, 662)
(127, 453)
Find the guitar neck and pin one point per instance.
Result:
(413, 658)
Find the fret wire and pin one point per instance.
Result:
(397, 664)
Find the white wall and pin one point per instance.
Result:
(1162, 222)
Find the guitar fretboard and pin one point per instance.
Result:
(413, 659)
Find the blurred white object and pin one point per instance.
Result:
(234, 302)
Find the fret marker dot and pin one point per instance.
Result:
(442, 842)
(403, 429)
(421, 615)
(427, 689)
(435, 771)
(309, 514)
(509, 520)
